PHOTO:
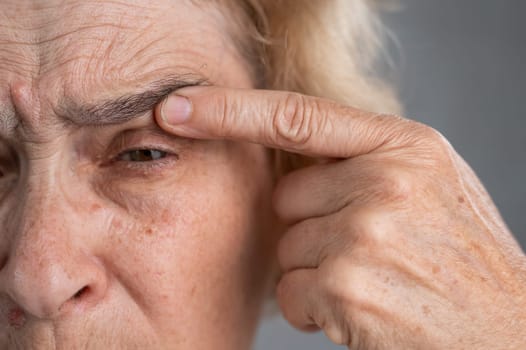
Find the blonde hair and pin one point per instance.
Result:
(326, 48)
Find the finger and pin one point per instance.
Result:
(297, 296)
(317, 190)
(306, 306)
(284, 120)
(306, 244)
(321, 190)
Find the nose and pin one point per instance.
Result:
(50, 269)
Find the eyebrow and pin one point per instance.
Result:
(126, 107)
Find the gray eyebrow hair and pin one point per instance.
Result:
(127, 107)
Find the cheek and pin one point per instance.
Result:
(195, 243)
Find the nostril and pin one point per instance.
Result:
(3, 262)
(80, 293)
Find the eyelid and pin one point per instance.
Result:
(132, 140)
(147, 147)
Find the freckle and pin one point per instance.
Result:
(436, 269)
(461, 199)
(95, 207)
(117, 224)
(16, 318)
(426, 310)
(164, 215)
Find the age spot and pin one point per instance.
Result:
(95, 207)
(426, 310)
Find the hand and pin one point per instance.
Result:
(394, 246)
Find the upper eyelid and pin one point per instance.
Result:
(130, 140)
(126, 137)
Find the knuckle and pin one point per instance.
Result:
(396, 185)
(336, 334)
(283, 288)
(290, 303)
(342, 282)
(293, 119)
(225, 108)
(371, 230)
(388, 185)
(434, 141)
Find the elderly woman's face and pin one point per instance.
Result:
(113, 233)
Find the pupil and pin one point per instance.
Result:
(145, 155)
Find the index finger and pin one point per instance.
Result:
(285, 120)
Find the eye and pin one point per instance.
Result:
(142, 155)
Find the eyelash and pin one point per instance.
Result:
(148, 166)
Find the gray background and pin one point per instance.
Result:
(461, 69)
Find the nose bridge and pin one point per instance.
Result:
(42, 207)
(42, 222)
(49, 261)
(43, 197)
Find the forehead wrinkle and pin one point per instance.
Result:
(50, 32)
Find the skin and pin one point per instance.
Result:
(393, 242)
(97, 251)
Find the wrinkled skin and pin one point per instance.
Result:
(102, 252)
(393, 242)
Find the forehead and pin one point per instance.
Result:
(80, 48)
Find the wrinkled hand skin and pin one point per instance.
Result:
(393, 243)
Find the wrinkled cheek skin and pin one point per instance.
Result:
(191, 249)
(186, 253)
(106, 325)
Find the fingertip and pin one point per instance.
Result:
(174, 110)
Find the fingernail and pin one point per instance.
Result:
(176, 109)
